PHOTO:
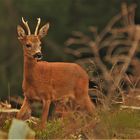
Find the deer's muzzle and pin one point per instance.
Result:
(38, 55)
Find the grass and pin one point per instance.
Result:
(116, 123)
(52, 131)
(120, 124)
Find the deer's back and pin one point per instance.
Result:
(53, 80)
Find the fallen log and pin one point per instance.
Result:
(130, 107)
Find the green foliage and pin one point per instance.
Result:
(53, 130)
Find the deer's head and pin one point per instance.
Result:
(31, 42)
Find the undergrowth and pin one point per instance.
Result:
(122, 124)
(115, 123)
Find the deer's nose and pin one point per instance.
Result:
(38, 55)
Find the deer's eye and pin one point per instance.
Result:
(28, 45)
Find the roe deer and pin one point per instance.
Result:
(46, 81)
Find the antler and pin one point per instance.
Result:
(26, 25)
(37, 26)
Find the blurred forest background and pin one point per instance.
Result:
(65, 16)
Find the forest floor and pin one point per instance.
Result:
(116, 123)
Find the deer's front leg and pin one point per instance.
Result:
(25, 108)
(46, 106)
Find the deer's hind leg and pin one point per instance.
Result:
(82, 97)
(89, 105)
(86, 104)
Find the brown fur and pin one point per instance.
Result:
(47, 82)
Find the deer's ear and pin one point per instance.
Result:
(21, 32)
(43, 31)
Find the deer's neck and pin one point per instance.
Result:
(29, 65)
